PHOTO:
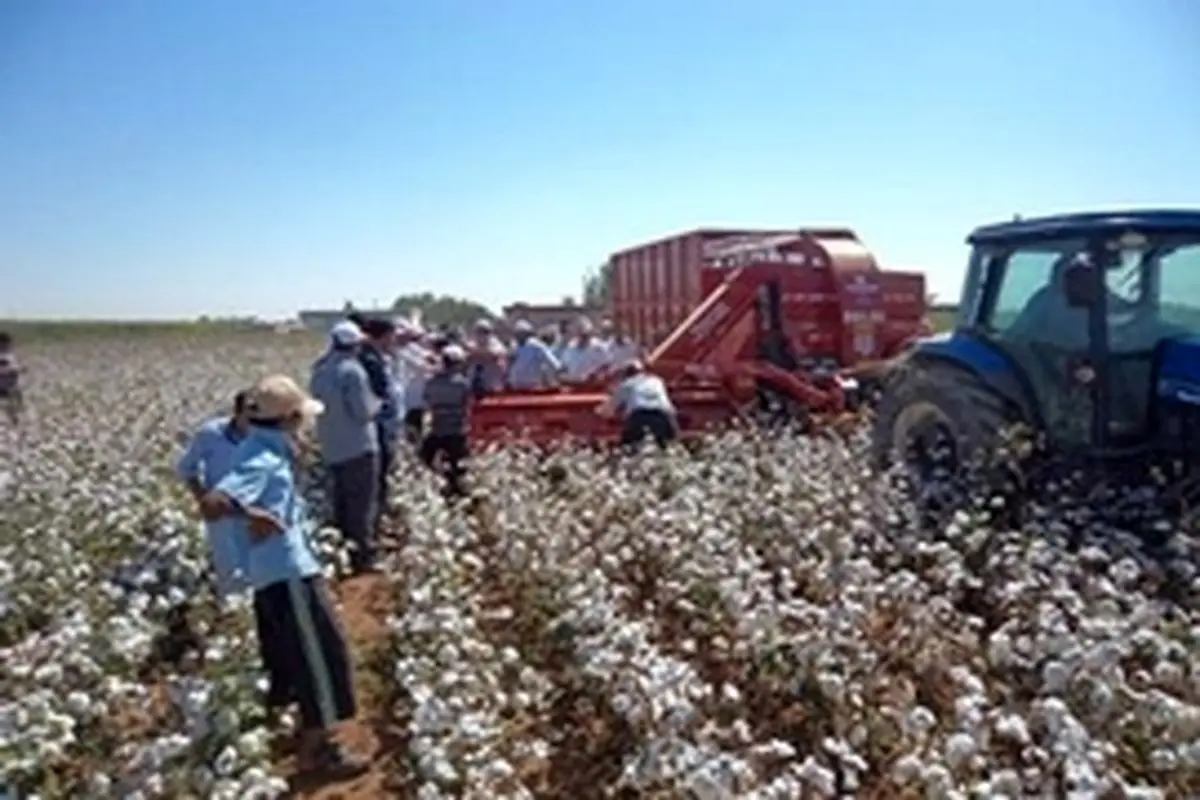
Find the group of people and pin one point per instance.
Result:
(381, 385)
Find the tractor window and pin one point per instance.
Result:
(1024, 274)
(1179, 287)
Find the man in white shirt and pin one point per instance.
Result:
(642, 402)
(621, 350)
(533, 365)
(414, 363)
(586, 357)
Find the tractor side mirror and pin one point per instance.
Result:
(1079, 286)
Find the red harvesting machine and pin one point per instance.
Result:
(742, 323)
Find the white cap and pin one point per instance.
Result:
(523, 326)
(453, 352)
(483, 324)
(346, 334)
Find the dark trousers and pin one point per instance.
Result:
(387, 457)
(452, 449)
(304, 651)
(356, 503)
(659, 424)
(414, 425)
(279, 688)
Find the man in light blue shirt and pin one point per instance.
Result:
(260, 496)
(533, 365)
(348, 439)
(207, 458)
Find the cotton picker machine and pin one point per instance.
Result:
(1082, 328)
(747, 325)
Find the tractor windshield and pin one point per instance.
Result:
(1153, 291)
(1152, 287)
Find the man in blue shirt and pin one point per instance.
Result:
(260, 495)
(204, 462)
(349, 440)
(533, 364)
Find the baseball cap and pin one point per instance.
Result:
(523, 326)
(346, 333)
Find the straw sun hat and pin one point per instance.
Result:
(278, 397)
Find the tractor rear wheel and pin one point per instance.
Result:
(936, 418)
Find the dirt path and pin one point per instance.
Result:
(365, 603)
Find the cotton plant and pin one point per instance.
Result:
(763, 618)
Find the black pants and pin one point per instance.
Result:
(454, 449)
(304, 651)
(414, 425)
(387, 457)
(659, 424)
(356, 503)
(279, 688)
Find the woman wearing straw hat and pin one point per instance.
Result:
(299, 624)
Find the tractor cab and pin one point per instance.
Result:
(1085, 327)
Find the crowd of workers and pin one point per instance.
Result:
(381, 386)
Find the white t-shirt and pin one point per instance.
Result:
(413, 367)
(583, 361)
(642, 392)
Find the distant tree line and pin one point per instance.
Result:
(441, 309)
(596, 291)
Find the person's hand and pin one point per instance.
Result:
(214, 506)
(262, 524)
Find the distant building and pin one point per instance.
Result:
(321, 320)
(541, 316)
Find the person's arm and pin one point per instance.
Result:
(192, 461)
(550, 362)
(239, 492)
(360, 402)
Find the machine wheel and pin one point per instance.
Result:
(935, 418)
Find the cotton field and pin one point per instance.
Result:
(763, 619)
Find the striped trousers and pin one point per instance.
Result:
(304, 651)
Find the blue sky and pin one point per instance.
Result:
(173, 158)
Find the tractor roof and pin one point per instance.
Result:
(1061, 226)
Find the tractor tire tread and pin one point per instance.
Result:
(977, 412)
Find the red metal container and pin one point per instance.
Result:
(836, 302)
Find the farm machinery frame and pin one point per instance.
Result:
(782, 315)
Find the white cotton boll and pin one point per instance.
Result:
(959, 749)
(919, 721)
(774, 750)
(79, 704)
(818, 779)
(1012, 728)
(226, 761)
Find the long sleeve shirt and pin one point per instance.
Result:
(346, 429)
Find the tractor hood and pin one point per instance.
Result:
(1179, 371)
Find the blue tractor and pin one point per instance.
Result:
(1084, 328)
